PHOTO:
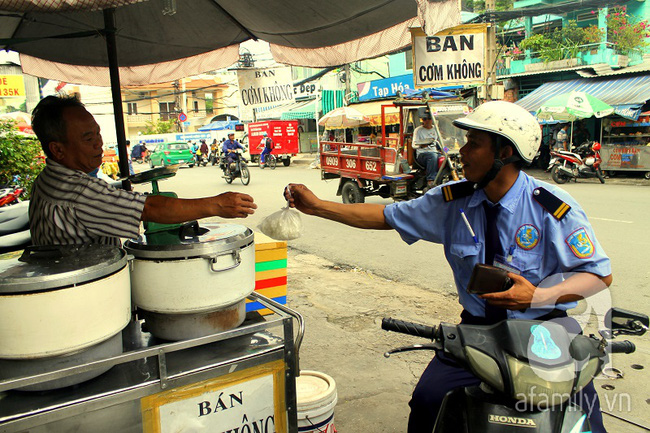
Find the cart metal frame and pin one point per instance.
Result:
(111, 402)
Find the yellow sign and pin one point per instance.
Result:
(251, 399)
(12, 86)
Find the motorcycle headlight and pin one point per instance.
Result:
(485, 368)
(540, 386)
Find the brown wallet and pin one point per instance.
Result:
(488, 279)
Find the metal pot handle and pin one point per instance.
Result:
(235, 255)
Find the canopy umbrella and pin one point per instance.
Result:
(76, 40)
(343, 117)
(572, 106)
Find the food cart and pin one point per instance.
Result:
(170, 335)
(626, 145)
(244, 376)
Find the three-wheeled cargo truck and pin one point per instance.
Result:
(389, 168)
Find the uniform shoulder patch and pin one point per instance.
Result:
(580, 244)
(551, 203)
(457, 190)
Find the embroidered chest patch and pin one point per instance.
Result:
(580, 244)
(527, 237)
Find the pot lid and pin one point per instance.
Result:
(194, 241)
(57, 266)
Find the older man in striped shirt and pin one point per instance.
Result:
(69, 206)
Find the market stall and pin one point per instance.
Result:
(626, 144)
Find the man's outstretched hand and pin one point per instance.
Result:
(234, 205)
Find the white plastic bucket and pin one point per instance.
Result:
(316, 397)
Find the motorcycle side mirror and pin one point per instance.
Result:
(622, 321)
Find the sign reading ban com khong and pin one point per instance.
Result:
(451, 57)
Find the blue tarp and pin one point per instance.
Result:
(626, 95)
(432, 93)
(220, 125)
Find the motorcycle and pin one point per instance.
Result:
(449, 167)
(10, 195)
(584, 162)
(529, 370)
(236, 169)
(213, 158)
(14, 220)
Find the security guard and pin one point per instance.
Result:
(500, 216)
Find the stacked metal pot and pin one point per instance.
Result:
(196, 285)
(62, 306)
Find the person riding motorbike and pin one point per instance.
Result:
(229, 148)
(425, 137)
(266, 144)
(497, 215)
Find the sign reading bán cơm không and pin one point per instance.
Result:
(265, 87)
(453, 56)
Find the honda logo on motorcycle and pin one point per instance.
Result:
(512, 421)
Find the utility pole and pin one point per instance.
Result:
(347, 84)
(490, 5)
(177, 105)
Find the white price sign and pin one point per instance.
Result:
(451, 57)
(241, 401)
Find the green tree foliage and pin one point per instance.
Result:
(564, 43)
(478, 6)
(19, 157)
(159, 127)
(625, 31)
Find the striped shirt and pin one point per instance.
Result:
(69, 207)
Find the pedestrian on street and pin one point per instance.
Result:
(531, 228)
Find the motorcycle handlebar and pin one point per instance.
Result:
(409, 328)
(622, 347)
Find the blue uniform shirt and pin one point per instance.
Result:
(544, 249)
(231, 145)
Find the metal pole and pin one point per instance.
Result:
(118, 112)
(490, 79)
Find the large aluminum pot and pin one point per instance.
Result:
(212, 270)
(62, 299)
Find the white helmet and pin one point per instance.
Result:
(508, 120)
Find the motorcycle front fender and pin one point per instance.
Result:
(470, 410)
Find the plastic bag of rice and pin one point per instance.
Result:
(283, 225)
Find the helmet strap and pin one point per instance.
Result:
(497, 165)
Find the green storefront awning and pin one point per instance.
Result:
(305, 111)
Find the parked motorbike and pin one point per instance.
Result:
(584, 162)
(10, 195)
(14, 226)
(529, 370)
(236, 169)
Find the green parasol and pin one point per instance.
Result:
(572, 106)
